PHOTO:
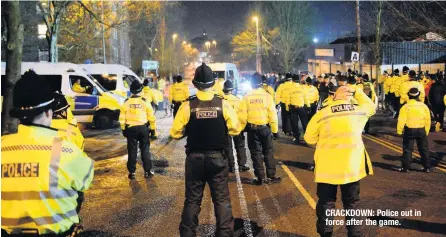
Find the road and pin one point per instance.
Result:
(116, 206)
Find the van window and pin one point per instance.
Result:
(219, 74)
(128, 79)
(108, 81)
(85, 85)
(230, 75)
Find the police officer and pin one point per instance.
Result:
(340, 155)
(137, 123)
(218, 86)
(398, 84)
(415, 122)
(281, 93)
(239, 141)
(257, 114)
(297, 101)
(368, 89)
(388, 96)
(266, 87)
(313, 95)
(209, 120)
(67, 130)
(179, 92)
(411, 83)
(43, 176)
(149, 95)
(436, 93)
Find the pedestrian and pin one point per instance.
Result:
(313, 94)
(414, 122)
(67, 130)
(258, 115)
(149, 95)
(179, 92)
(369, 91)
(388, 96)
(138, 124)
(297, 101)
(340, 155)
(239, 141)
(43, 176)
(436, 93)
(167, 107)
(281, 93)
(209, 120)
(323, 90)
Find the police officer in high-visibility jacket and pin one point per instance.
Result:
(266, 87)
(258, 115)
(313, 95)
(340, 155)
(297, 102)
(239, 141)
(149, 95)
(209, 120)
(395, 91)
(369, 90)
(389, 96)
(67, 130)
(411, 83)
(138, 123)
(179, 92)
(399, 84)
(414, 122)
(281, 93)
(43, 176)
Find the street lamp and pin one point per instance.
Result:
(184, 42)
(214, 43)
(208, 45)
(315, 40)
(174, 37)
(258, 55)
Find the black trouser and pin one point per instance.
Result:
(201, 168)
(327, 199)
(239, 144)
(80, 199)
(138, 134)
(390, 97)
(438, 111)
(260, 144)
(176, 106)
(397, 105)
(367, 126)
(313, 110)
(410, 136)
(286, 122)
(296, 113)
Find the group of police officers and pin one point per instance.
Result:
(45, 172)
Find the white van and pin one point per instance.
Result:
(93, 106)
(226, 71)
(115, 78)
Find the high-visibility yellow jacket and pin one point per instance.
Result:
(257, 107)
(218, 88)
(161, 84)
(157, 95)
(296, 96)
(313, 93)
(78, 88)
(444, 100)
(340, 155)
(179, 92)
(414, 114)
(388, 84)
(41, 177)
(148, 94)
(183, 116)
(268, 89)
(396, 85)
(282, 90)
(354, 88)
(69, 131)
(233, 100)
(372, 89)
(406, 86)
(136, 111)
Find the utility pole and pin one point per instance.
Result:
(103, 32)
(358, 35)
(258, 53)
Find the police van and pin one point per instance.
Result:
(227, 71)
(95, 105)
(114, 78)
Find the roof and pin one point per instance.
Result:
(47, 68)
(99, 68)
(394, 37)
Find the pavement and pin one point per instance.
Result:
(116, 206)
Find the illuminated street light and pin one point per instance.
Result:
(208, 44)
(184, 42)
(189, 45)
(174, 36)
(258, 54)
(214, 42)
(315, 40)
(255, 18)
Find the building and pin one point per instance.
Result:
(419, 51)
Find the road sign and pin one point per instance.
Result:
(355, 57)
(149, 65)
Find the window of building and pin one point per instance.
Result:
(115, 34)
(41, 29)
(115, 53)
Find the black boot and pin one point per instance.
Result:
(274, 180)
(243, 168)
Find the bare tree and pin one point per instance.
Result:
(14, 52)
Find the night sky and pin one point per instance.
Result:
(224, 19)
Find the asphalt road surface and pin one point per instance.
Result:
(116, 206)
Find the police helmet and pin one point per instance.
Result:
(308, 80)
(60, 105)
(145, 82)
(295, 78)
(332, 88)
(414, 92)
(136, 87)
(405, 69)
(351, 80)
(178, 78)
(228, 86)
(28, 105)
(288, 76)
(256, 80)
(412, 74)
(203, 77)
(396, 71)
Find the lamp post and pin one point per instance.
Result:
(214, 43)
(174, 37)
(258, 55)
(208, 45)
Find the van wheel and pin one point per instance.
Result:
(103, 120)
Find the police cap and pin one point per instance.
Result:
(414, 92)
(256, 80)
(145, 82)
(228, 86)
(60, 103)
(203, 77)
(412, 73)
(178, 78)
(396, 71)
(405, 68)
(308, 80)
(288, 76)
(28, 104)
(135, 87)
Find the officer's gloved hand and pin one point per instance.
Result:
(276, 136)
